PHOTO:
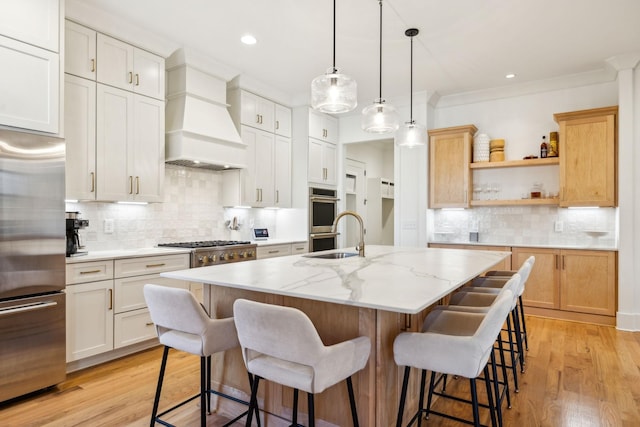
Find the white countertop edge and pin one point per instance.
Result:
(125, 253)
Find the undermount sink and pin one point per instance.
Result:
(333, 255)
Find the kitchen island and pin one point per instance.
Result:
(387, 292)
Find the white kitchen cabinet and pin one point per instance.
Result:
(35, 22)
(282, 172)
(299, 248)
(106, 308)
(272, 251)
(256, 111)
(89, 319)
(30, 86)
(124, 66)
(283, 121)
(322, 163)
(129, 146)
(80, 138)
(80, 50)
(323, 127)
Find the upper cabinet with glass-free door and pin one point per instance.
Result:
(588, 151)
(127, 67)
(449, 174)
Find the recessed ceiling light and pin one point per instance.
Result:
(248, 39)
(510, 76)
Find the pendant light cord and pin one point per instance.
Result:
(411, 85)
(380, 80)
(334, 36)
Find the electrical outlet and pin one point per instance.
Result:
(109, 226)
(558, 226)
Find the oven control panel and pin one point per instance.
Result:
(203, 257)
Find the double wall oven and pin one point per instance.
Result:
(323, 207)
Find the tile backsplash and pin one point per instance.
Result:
(191, 211)
(526, 225)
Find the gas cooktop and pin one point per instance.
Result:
(204, 244)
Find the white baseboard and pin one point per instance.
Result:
(628, 321)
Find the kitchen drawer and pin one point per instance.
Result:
(299, 248)
(273, 251)
(133, 327)
(129, 294)
(92, 271)
(152, 264)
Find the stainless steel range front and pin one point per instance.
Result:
(213, 252)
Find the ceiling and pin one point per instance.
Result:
(463, 45)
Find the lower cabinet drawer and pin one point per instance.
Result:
(273, 251)
(132, 327)
(129, 294)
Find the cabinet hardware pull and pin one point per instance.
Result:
(93, 182)
(130, 184)
(557, 262)
(93, 65)
(407, 322)
(149, 324)
(277, 196)
(90, 272)
(258, 118)
(130, 77)
(273, 252)
(257, 194)
(162, 264)
(261, 194)
(137, 185)
(563, 262)
(110, 299)
(277, 124)
(137, 79)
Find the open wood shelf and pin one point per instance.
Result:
(516, 202)
(516, 163)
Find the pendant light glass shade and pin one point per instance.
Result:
(333, 92)
(379, 117)
(411, 134)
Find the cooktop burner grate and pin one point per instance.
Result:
(205, 244)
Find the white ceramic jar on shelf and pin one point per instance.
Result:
(481, 148)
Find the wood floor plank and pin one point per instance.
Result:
(576, 375)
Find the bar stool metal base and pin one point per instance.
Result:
(204, 395)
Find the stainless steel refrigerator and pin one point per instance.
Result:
(32, 263)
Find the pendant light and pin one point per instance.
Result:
(333, 92)
(379, 117)
(411, 134)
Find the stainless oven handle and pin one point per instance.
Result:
(321, 235)
(27, 307)
(323, 199)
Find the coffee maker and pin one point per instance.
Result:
(74, 223)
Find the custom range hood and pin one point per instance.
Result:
(199, 130)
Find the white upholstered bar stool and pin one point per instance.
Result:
(281, 344)
(183, 324)
(452, 343)
(493, 279)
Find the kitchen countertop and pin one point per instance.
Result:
(512, 245)
(402, 280)
(126, 253)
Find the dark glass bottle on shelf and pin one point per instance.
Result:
(543, 148)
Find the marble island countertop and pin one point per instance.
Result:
(402, 280)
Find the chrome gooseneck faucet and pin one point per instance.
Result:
(360, 247)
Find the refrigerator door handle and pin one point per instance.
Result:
(27, 307)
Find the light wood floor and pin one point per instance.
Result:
(577, 375)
